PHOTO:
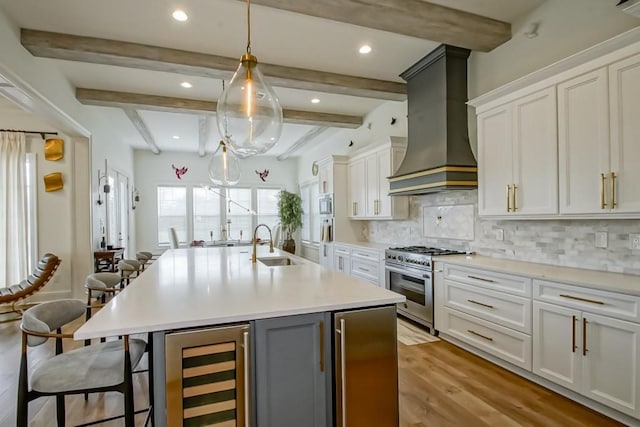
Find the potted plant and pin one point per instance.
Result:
(290, 212)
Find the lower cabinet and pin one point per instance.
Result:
(594, 355)
(315, 370)
(342, 258)
(293, 368)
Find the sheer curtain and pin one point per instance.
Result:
(13, 216)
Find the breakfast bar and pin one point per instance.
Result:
(280, 341)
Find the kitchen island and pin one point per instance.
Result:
(252, 344)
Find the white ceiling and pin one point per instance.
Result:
(218, 27)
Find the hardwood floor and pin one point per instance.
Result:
(440, 385)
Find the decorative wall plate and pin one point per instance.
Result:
(53, 182)
(314, 168)
(53, 149)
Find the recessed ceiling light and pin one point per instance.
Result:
(186, 85)
(179, 15)
(315, 100)
(364, 49)
(176, 137)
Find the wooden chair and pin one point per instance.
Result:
(101, 367)
(47, 265)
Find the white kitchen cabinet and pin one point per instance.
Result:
(342, 258)
(517, 157)
(369, 187)
(624, 101)
(583, 141)
(597, 356)
(326, 254)
(598, 134)
(357, 189)
(325, 176)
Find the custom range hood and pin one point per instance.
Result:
(438, 153)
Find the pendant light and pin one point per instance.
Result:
(224, 167)
(249, 114)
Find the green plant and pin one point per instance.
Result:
(290, 212)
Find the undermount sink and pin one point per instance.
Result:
(277, 261)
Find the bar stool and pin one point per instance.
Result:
(143, 258)
(129, 269)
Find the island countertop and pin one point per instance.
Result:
(194, 287)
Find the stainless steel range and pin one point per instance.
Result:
(409, 271)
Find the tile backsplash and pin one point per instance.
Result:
(569, 243)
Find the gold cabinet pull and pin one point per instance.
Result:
(321, 346)
(481, 278)
(592, 301)
(480, 335)
(480, 303)
(603, 204)
(613, 190)
(515, 203)
(508, 198)
(573, 333)
(584, 336)
(353, 209)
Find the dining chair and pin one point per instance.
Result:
(129, 269)
(100, 367)
(175, 243)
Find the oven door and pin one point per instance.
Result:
(417, 287)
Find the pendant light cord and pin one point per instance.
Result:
(248, 26)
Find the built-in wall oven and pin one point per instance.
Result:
(409, 272)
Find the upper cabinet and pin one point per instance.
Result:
(517, 157)
(325, 176)
(563, 142)
(369, 187)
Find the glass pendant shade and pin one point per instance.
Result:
(249, 114)
(224, 167)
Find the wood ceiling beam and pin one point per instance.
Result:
(142, 129)
(124, 100)
(133, 55)
(415, 18)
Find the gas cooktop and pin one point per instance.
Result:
(423, 250)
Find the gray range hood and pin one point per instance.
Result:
(438, 153)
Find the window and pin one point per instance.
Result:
(172, 212)
(267, 210)
(206, 215)
(309, 193)
(199, 213)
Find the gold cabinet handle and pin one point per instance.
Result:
(353, 209)
(592, 301)
(613, 190)
(515, 204)
(603, 204)
(480, 303)
(480, 335)
(321, 346)
(584, 336)
(573, 333)
(508, 198)
(481, 278)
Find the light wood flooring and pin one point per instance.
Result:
(440, 385)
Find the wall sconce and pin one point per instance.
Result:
(135, 198)
(106, 188)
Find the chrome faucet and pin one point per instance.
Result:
(255, 241)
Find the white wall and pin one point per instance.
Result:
(153, 170)
(53, 102)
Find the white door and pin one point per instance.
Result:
(357, 188)
(583, 143)
(117, 205)
(557, 344)
(494, 160)
(535, 154)
(624, 93)
(610, 366)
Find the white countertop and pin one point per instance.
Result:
(209, 286)
(624, 283)
(370, 245)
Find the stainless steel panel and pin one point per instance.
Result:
(366, 368)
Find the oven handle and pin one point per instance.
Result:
(411, 273)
